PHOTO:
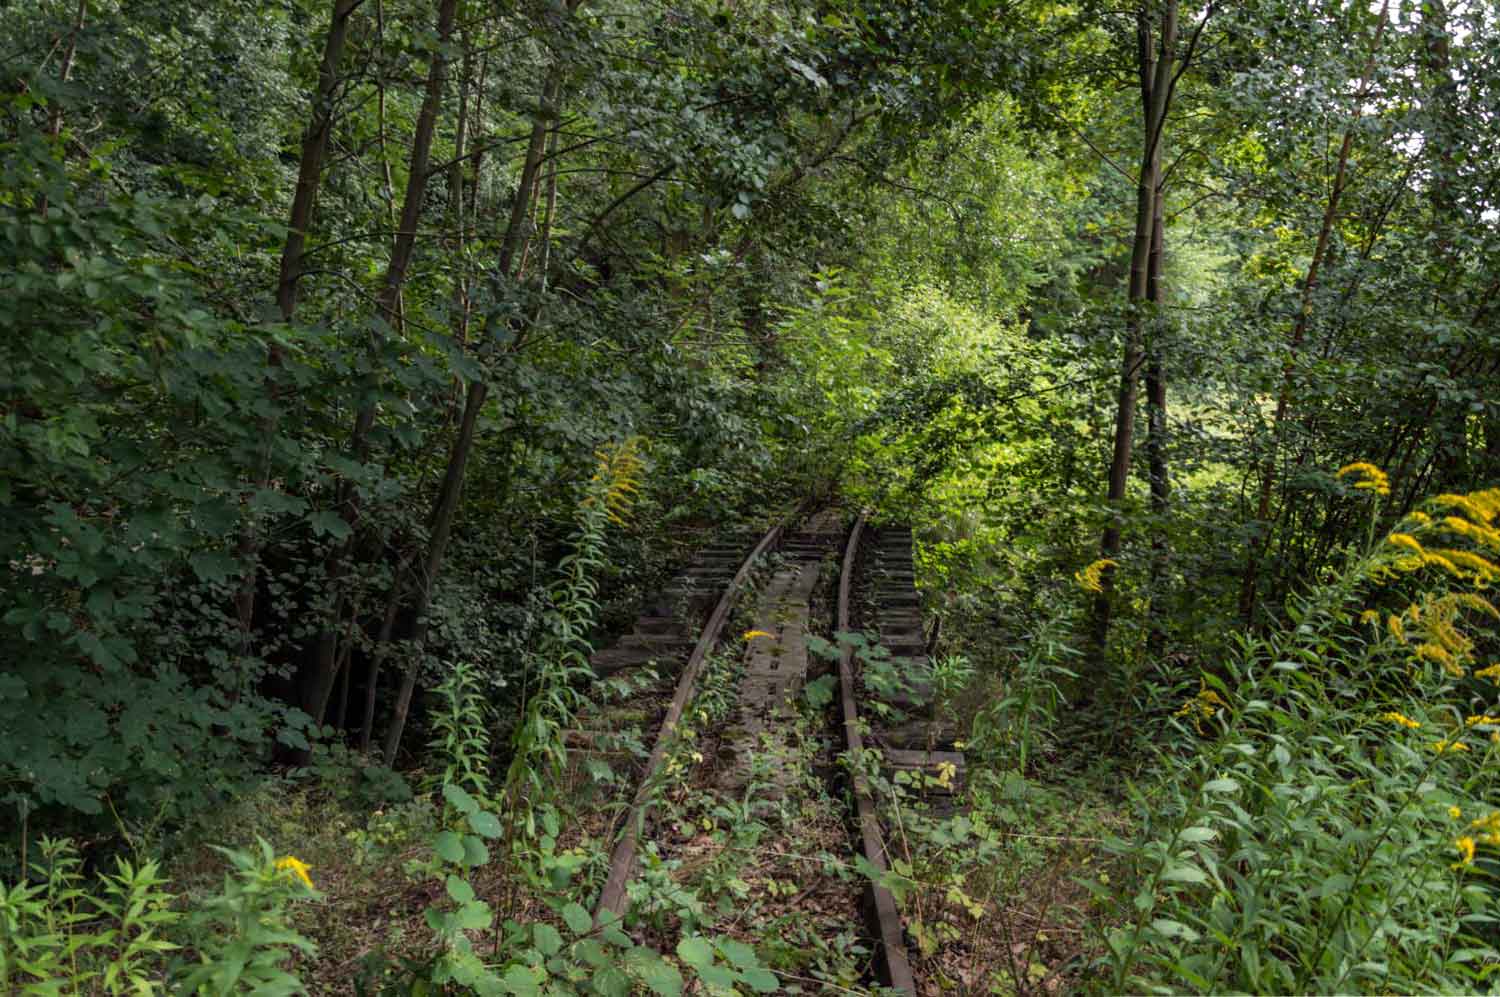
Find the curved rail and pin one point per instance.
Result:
(622, 860)
(883, 904)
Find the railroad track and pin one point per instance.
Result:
(770, 681)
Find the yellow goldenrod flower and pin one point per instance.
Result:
(297, 867)
(1483, 569)
(1371, 478)
(1490, 822)
(1439, 655)
(1481, 718)
(1406, 540)
(1370, 616)
(1449, 747)
(1397, 630)
(1473, 531)
(1091, 578)
(1455, 812)
(1465, 846)
(1402, 719)
(752, 634)
(1476, 603)
(1492, 672)
(1420, 518)
(1465, 504)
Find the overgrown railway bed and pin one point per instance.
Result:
(735, 784)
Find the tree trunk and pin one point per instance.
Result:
(1154, 63)
(1156, 429)
(317, 686)
(446, 506)
(309, 178)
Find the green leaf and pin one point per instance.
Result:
(448, 847)
(460, 890)
(738, 953)
(762, 981)
(1182, 872)
(695, 951)
(1221, 786)
(578, 919)
(718, 977)
(547, 939)
(475, 916)
(591, 952)
(612, 982)
(475, 852)
(523, 981)
(485, 823)
(659, 976)
(459, 798)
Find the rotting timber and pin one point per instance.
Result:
(757, 739)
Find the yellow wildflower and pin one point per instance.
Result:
(1406, 540)
(1370, 616)
(298, 868)
(1479, 534)
(1483, 569)
(1455, 812)
(752, 634)
(1202, 706)
(1439, 655)
(1492, 672)
(1419, 517)
(1465, 846)
(1449, 747)
(1481, 718)
(1371, 478)
(1475, 602)
(1091, 578)
(1402, 719)
(1472, 506)
(1397, 630)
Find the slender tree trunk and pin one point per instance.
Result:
(1261, 537)
(317, 686)
(1156, 428)
(446, 506)
(1155, 58)
(309, 178)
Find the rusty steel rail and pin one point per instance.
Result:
(882, 904)
(611, 906)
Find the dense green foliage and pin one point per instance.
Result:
(364, 362)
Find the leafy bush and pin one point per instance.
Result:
(1323, 824)
(62, 935)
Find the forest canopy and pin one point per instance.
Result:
(366, 367)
